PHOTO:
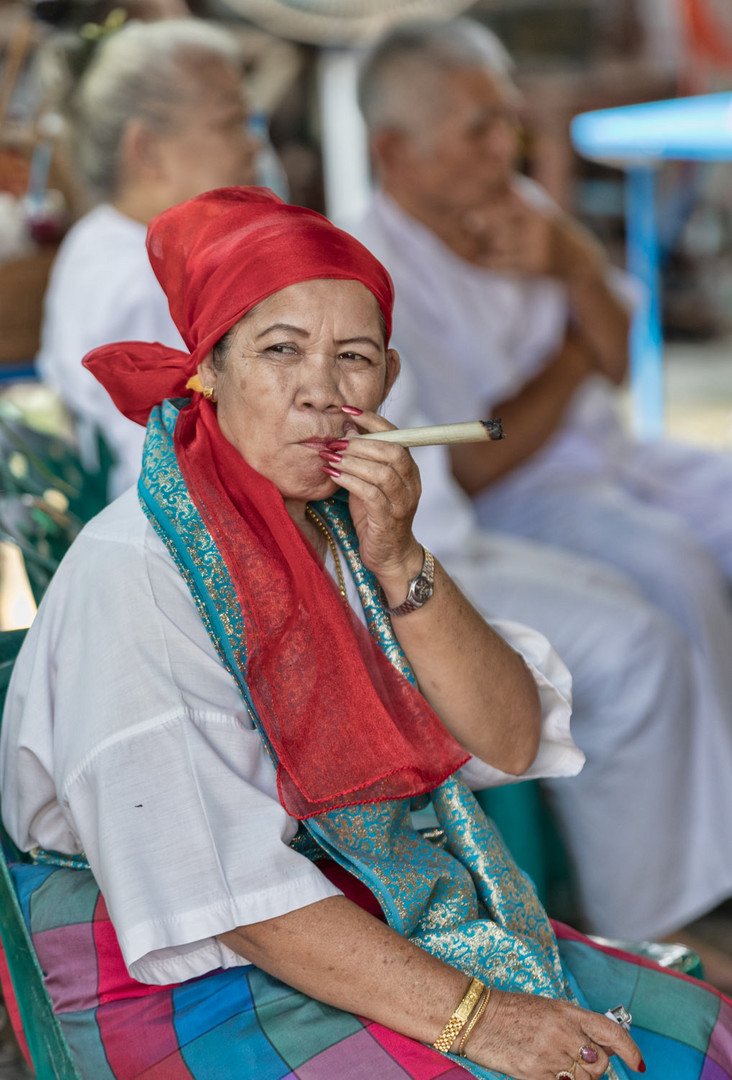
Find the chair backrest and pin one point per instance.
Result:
(47, 1045)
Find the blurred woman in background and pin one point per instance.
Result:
(157, 116)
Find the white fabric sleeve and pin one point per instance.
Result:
(558, 755)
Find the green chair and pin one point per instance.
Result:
(49, 1051)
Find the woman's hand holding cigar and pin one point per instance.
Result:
(384, 487)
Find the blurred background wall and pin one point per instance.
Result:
(571, 55)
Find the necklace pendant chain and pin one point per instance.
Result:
(331, 542)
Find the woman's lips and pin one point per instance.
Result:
(318, 442)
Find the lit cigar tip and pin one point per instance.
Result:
(494, 428)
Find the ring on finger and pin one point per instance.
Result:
(587, 1054)
(567, 1074)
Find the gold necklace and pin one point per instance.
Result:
(341, 583)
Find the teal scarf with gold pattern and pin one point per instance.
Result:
(464, 901)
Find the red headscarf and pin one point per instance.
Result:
(345, 725)
(216, 257)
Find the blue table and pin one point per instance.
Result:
(637, 138)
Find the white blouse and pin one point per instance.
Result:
(125, 737)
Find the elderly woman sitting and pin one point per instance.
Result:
(228, 882)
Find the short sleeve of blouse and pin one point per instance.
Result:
(130, 737)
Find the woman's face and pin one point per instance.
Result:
(292, 362)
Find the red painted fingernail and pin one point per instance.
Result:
(642, 1066)
(328, 456)
(338, 444)
(351, 410)
(330, 472)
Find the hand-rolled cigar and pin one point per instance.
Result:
(440, 434)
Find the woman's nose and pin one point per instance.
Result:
(320, 386)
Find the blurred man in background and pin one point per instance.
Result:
(506, 307)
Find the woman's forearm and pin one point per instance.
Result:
(479, 686)
(599, 314)
(339, 954)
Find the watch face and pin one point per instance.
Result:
(422, 590)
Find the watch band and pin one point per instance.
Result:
(420, 588)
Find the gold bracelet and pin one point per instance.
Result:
(476, 1017)
(462, 1013)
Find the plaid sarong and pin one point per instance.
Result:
(243, 1023)
(235, 1023)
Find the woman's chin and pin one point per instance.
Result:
(310, 488)
(323, 489)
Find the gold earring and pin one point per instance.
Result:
(209, 392)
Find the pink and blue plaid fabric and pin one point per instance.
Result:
(235, 1023)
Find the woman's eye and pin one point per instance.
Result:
(355, 356)
(282, 349)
